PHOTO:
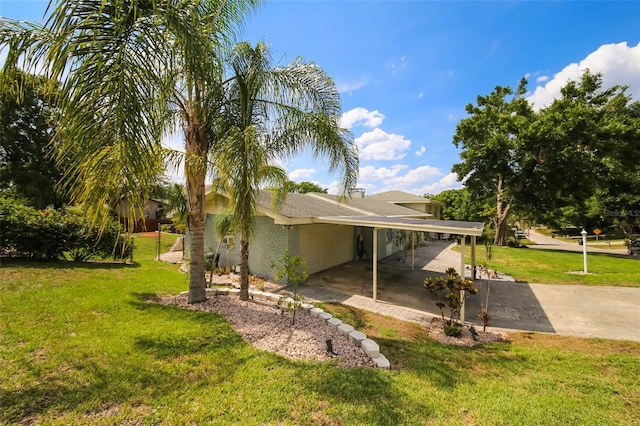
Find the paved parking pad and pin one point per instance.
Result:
(582, 311)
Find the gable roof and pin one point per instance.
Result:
(402, 197)
(371, 206)
(300, 206)
(312, 205)
(374, 212)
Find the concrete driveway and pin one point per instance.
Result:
(583, 311)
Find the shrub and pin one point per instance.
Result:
(291, 269)
(450, 289)
(49, 234)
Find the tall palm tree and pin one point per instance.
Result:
(270, 113)
(130, 70)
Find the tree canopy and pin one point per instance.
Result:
(573, 161)
(303, 187)
(28, 168)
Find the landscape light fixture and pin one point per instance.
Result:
(584, 248)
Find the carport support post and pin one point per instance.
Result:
(375, 264)
(473, 258)
(413, 254)
(462, 274)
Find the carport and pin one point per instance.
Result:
(464, 229)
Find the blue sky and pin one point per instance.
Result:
(406, 69)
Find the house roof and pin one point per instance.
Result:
(301, 206)
(402, 197)
(371, 206)
(409, 224)
(373, 212)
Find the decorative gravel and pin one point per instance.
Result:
(264, 325)
(436, 332)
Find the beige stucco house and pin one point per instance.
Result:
(327, 231)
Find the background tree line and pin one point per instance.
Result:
(575, 161)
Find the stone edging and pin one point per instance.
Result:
(371, 348)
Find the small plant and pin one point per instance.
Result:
(454, 288)
(290, 269)
(484, 298)
(484, 270)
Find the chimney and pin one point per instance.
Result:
(356, 193)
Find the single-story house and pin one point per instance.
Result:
(151, 215)
(326, 231)
(152, 209)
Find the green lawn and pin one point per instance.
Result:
(561, 267)
(79, 344)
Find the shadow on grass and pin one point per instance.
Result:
(158, 361)
(445, 366)
(64, 264)
(374, 392)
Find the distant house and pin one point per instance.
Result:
(326, 231)
(147, 219)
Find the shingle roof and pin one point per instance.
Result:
(402, 197)
(372, 207)
(412, 224)
(302, 206)
(369, 211)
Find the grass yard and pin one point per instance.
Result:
(79, 344)
(561, 267)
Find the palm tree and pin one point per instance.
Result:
(130, 71)
(270, 113)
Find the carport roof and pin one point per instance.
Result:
(409, 224)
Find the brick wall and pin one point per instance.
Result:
(268, 244)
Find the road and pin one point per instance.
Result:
(543, 242)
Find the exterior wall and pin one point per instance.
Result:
(386, 246)
(430, 208)
(323, 246)
(152, 209)
(268, 244)
(422, 207)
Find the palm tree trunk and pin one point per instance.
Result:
(195, 174)
(196, 269)
(244, 265)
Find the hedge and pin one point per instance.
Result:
(51, 234)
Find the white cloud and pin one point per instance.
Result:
(618, 64)
(416, 177)
(421, 151)
(351, 85)
(542, 78)
(361, 116)
(380, 145)
(385, 174)
(398, 177)
(422, 180)
(299, 175)
(333, 187)
(449, 181)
